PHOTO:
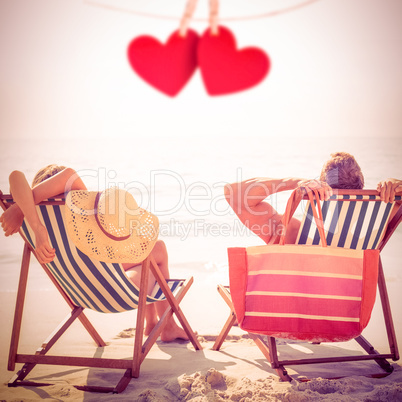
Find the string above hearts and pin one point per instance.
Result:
(224, 69)
(272, 13)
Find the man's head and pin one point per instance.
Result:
(342, 171)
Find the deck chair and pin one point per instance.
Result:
(354, 219)
(86, 283)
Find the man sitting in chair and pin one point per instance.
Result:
(341, 171)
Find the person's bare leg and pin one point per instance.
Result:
(171, 331)
(151, 318)
(152, 311)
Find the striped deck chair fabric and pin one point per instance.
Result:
(350, 221)
(92, 284)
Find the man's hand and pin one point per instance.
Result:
(324, 190)
(387, 189)
(11, 220)
(43, 250)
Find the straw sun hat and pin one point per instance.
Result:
(109, 226)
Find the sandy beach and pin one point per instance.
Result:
(175, 371)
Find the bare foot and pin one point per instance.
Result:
(172, 332)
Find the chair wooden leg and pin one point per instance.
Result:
(83, 318)
(273, 351)
(46, 345)
(59, 331)
(232, 319)
(271, 354)
(140, 349)
(92, 331)
(383, 363)
(19, 307)
(139, 329)
(124, 381)
(120, 387)
(186, 325)
(153, 336)
(174, 303)
(268, 349)
(225, 331)
(389, 324)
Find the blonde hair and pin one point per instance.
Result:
(343, 172)
(46, 172)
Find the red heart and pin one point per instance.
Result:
(224, 69)
(166, 67)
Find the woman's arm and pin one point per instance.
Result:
(25, 200)
(11, 220)
(23, 197)
(61, 183)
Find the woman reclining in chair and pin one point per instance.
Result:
(340, 171)
(54, 180)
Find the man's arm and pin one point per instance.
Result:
(247, 197)
(247, 200)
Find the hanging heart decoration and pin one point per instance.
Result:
(224, 69)
(167, 67)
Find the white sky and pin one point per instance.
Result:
(336, 70)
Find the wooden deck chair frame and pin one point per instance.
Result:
(141, 349)
(269, 348)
